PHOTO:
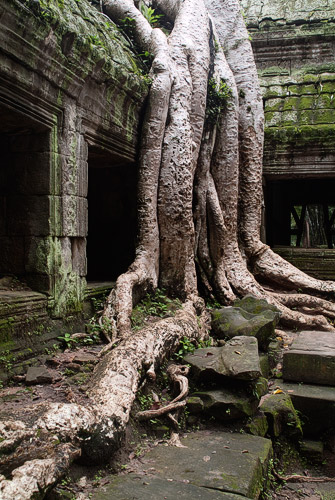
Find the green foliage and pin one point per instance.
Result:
(67, 340)
(213, 304)
(6, 360)
(128, 27)
(217, 97)
(95, 40)
(186, 346)
(150, 15)
(93, 337)
(95, 328)
(145, 401)
(153, 304)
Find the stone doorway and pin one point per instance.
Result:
(25, 205)
(301, 213)
(112, 194)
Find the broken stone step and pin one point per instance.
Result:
(41, 375)
(238, 359)
(212, 465)
(315, 404)
(223, 404)
(311, 358)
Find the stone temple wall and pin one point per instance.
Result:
(71, 97)
(294, 46)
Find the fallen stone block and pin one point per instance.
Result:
(230, 322)
(282, 416)
(253, 305)
(41, 375)
(258, 425)
(311, 358)
(133, 486)
(226, 404)
(238, 359)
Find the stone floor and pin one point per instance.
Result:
(211, 465)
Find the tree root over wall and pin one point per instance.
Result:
(199, 217)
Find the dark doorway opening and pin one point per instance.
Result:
(24, 198)
(300, 213)
(111, 216)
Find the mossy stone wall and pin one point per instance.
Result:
(294, 43)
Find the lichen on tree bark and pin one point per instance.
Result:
(199, 216)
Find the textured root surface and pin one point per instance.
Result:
(95, 430)
(274, 268)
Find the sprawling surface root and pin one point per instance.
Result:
(35, 477)
(96, 429)
(178, 376)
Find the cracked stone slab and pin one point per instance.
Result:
(238, 359)
(137, 487)
(311, 358)
(222, 464)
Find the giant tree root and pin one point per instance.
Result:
(61, 432)
(178, 376)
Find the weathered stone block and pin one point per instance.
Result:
(258, 425)
(227, 404)
(129, 486)
(282, 416)
(235, 321)
(315, 404)
(38, 253)
(79, 261)
(74, 216)
(41, 375)
(264, 364)
(311, 358)
(74, 176)
(238, 358)
(195, 404)
(253, 305)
